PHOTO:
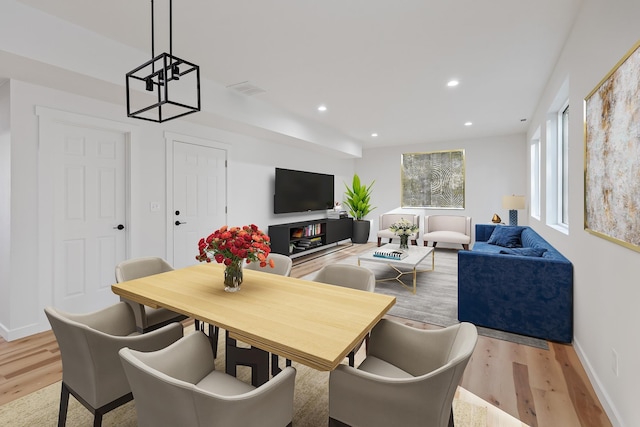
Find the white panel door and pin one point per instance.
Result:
(89, 216)
(199, 197)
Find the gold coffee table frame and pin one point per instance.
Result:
(416, 254)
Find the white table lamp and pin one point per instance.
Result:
(513, 203)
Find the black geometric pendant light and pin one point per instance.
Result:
(164, 88)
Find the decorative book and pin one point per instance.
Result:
(389, 253)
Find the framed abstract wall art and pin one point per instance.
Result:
(612, 154)
(433, 180)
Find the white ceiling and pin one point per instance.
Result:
(378, 65)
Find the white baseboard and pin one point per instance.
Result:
(605, 400)
(22, 332)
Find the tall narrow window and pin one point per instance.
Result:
(557, 163)
(563, 166)
(534, 203)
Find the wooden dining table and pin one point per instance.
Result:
(307, 322)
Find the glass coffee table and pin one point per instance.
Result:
(415, 256)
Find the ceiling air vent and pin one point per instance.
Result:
(246, 88)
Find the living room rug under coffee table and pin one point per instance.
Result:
(436, 298)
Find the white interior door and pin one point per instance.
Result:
(199, 197)
(89, 215)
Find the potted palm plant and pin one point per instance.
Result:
(358, 202)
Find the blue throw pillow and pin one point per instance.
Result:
(507, 236)
(537, 252)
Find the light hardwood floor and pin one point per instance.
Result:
(538, 387)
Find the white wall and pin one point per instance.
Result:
(494, 167)
(258, 136)
(23, 229)
(606, 291)
(5, 199)
(249, 193)
(251, 179)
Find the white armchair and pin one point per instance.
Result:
(455, 229)
(409, 377)
(386, 220)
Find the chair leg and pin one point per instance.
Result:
(97, 412)
(335, 423)
(465, 246)
(97, 419)
(379, 241)
(64, 405)
(213, 336)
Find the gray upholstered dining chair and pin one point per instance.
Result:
(179, 386)
(147, 318)
(91, 368)
(408, 378)
(282, 265)
(348, 276)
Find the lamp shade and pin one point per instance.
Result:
(513, 202)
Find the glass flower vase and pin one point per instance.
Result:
(233, 276)
(404, 241)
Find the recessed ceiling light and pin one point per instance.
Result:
(322, 108)
(468, 124)
(374, 134)
(453, 83)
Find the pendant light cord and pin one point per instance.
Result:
(153, 55)
(153, 52)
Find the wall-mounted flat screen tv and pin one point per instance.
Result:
(299, 191)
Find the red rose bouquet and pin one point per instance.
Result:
(229, 246)
(233, 244)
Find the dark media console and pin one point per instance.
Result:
(300, 238)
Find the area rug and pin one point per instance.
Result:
(436, 298)
(310, 406)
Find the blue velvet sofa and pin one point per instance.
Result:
(526, 290)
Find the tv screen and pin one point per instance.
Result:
(299, 191)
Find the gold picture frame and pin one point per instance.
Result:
(612, 154)
(433, 180)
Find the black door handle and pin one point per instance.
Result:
(178, 222)
(119, 227)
